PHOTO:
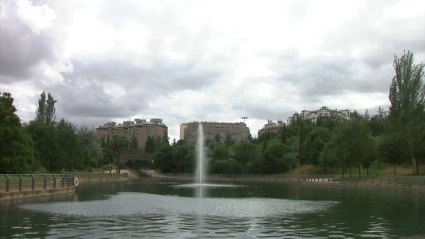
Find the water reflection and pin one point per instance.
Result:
(173, 210)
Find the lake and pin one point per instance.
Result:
(177, 209)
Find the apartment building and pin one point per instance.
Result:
(183, 127)
(323, 111)
(271, 127)
(238, 131)
(139, 129)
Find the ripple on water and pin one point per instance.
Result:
(141, 203)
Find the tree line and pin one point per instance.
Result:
(395, 136)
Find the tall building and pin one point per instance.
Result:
(271, 127)
(238, 131)
(183, 127)
(138, 129)
(323, 111)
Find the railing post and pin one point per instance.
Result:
(69, 180)
(7, 183)
(20, 182)
(63, 181)
(54, 181)
(33, 181)
(45, 181)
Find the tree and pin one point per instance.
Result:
(244, 152)
(274, 158)
(264, 145)
(120, 146)
(220, 153)
(150, 145)
(366, 116)
(46, 109)
(17, 147)
(164, 158)
(46, 144)
(283, 138)
(217, 138)
(290, 160)
(70, 153)
(89, 144)
(229, 141)
(181, 142)
(184, 159)
(347, 145)
(408, 103)
(315, 142)
(394, 150)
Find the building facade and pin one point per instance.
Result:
(138, 129)
(238, 131)
(271, 127)
(183, 127)
(323, 111)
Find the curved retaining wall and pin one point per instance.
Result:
(6, 196)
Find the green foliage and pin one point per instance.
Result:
(90, 145)
(244, 152)
(46, 144)
(394, 150)
(46, 109)
(70, 152)
(175, 159)
(181, 142)
(17, 147)
(284, 136)
(407, 105)
(217, 138)
(220, 153)
(108, 167)
(184, 159)
(164, 159)
(315, 142)
(150, 145)
(120, 146)
(274, 158)
(225, 167)
(290, 160)
(350, 145)
(264, 145)
(229, 141)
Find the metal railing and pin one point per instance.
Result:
(100, 176)
(406, 181)
(25, 182)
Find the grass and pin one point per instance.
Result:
(383, 169)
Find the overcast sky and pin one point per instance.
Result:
(203, 60)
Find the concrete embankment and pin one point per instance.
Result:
(407, 182)
(17, 195)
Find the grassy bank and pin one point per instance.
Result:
(375, 169)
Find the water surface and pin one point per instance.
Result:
(141, 208)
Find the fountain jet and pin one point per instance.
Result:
(200, 155)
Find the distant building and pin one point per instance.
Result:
(323, 111)
(238, 131)
(138, 129)
(271, 127)
(183, 127)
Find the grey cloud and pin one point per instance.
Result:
(263, 110)
(21, 49)
(161, 76)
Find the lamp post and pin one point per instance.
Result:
(243, 130)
